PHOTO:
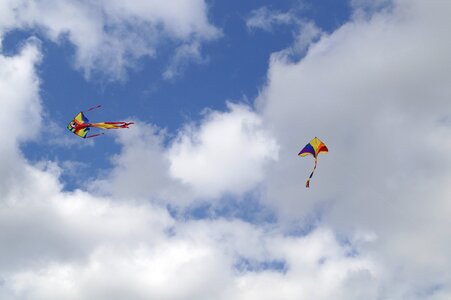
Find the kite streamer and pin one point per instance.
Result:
(315, 147)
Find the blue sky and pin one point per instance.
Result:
(234, 70)
(204, 196)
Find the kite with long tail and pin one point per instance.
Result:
(80, 125)
(314, 148)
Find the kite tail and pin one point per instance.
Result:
(112, 125)
(94, 135)
(120, 124)
(94, 107)
(307, 184)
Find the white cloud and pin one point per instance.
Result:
(305, 32)
(109, 36)
(323, 271)
(377, 97)
(365, 8)
(265, 19)
(227, 153)
(183, 54)
(20, 110)
(375, 91)
(141, 170)
(19, 84)
(75, 245)
(90, 247)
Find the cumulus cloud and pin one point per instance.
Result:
(19, 83)
(109, 36)
(20, 111)
(76, 245)
(196, 254)
(378, 98)
(375, 91)
(141, 169)
(226, 154)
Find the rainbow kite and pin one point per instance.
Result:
(80, 125)
(314, 148)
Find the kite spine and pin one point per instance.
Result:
(94, 135)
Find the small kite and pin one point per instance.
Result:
(314, 148)
(80, 125)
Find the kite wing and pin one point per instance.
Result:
(315, 147)
(76, 125)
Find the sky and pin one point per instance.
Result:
(204, 196)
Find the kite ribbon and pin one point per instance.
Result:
(307, 184)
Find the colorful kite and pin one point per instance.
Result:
(314, 148)
(80, 125)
